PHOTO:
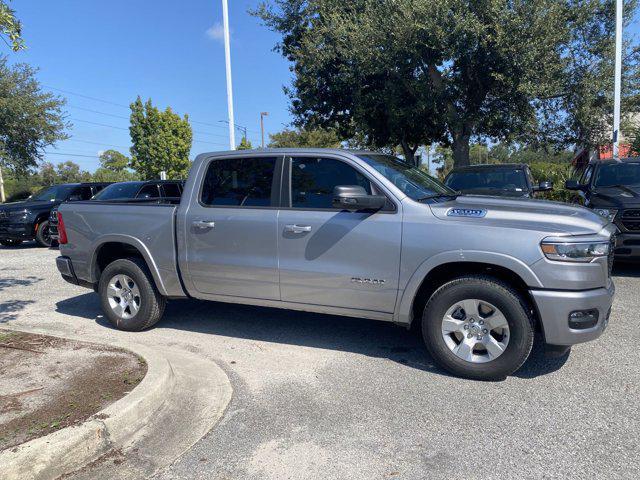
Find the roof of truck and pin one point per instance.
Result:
(488, 166)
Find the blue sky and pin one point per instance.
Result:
(167, 50)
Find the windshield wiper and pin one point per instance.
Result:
(437, 195)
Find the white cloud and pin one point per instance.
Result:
(216, 32)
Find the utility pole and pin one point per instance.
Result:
(227, 57)
(618, 82)
(262, 115)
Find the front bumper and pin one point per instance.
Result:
(554, 307)
(627, 246)
(16, 231)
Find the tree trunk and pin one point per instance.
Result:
(410, 153)
(461, 149)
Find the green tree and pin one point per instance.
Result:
(411, 72)
(161, 141)
(10, 28)
(103, 174)
(244, 144)
(30, 119)
(114, 160)
(70, 172)
(305, 138)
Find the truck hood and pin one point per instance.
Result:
(13, 206)
(617, 197)
(552, 217)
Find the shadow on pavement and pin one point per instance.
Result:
(18, 282)
(366, 337)
(23, 246)
(9, 309)
(626, 269)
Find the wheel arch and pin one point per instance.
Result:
(114, 247)
(438, 270)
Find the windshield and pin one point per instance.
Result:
(118, 191)
(413, 182)
(509, 179)
(612, 174)
(56, 193)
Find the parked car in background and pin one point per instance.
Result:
(612, 189)
(357, 234)
(149, 191)
(507, 180)
(29, 219)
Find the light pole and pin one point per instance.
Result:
(618, 82)
(262, 115)
(227, 58)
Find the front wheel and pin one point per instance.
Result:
(129, 297)
(478, 327)
(43, 236)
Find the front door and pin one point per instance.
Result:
(332, 257)
(231, 237)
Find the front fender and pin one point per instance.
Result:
(404, 307)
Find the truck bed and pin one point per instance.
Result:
(148, 227)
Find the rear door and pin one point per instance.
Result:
(332, 257)
(231, 236)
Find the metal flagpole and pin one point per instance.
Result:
(618, 82)
(227, 57)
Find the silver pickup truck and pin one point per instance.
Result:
(357, 234)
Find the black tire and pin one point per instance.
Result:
(43, 238)
(10, 242)
(497, 293)
(151, 302)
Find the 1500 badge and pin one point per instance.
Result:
(369, 281)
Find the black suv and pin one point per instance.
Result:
(29, 219)
(612, 189)
(506, 179)
(149, 191)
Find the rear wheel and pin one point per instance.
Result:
(10, 242)
(128, 295)
(43, 236)
(478, 327)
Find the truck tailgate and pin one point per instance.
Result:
(150, 228)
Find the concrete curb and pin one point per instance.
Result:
(73, 447)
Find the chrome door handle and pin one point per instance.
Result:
(297, 228)
(203, 224)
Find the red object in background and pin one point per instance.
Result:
(605, 152)
(62, 232)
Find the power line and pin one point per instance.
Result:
(99, 124)
(71, 154)
(73, 139)
(101, 113)
(108, 102)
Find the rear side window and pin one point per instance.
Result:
(313, 180)
(149, 191)
(240, 182)
(171, 190)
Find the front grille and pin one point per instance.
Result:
(631, 219)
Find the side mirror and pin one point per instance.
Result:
(543, 186)
(573, 185)
(355, 197)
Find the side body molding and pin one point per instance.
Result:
(404, 314)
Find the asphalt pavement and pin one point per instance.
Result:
(323, 397)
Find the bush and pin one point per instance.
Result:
(558, 173)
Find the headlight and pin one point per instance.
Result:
(17, 213)
(607, 213)
(575, 251)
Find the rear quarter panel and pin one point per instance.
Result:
(149, 228)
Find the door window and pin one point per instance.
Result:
(586, 178)
(239, 182)
(149, 191)
(313, 180)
